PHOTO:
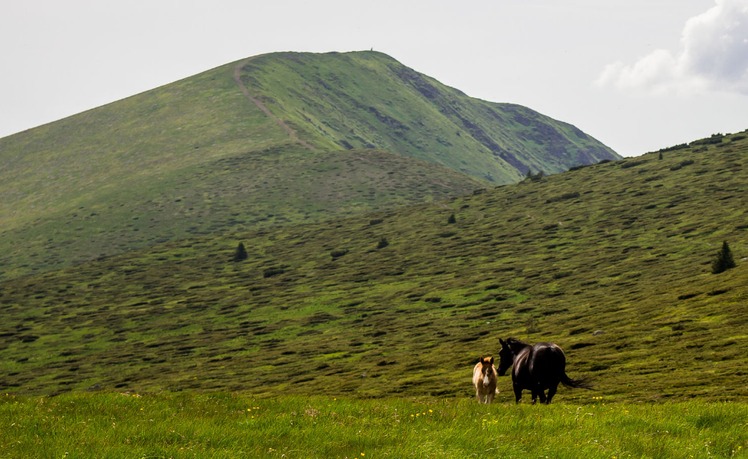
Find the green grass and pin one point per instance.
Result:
(611, 261)
(234, 425)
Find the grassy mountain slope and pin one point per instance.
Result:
(611, 261)
(205, 155)
(261, 189)
(368, 99)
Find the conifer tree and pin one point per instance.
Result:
(241, 253)
(723, 261)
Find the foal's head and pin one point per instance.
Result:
(486, 368)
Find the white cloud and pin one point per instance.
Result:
(713, 56)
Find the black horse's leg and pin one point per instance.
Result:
(517, 393)
(552, 392)
(538, 391)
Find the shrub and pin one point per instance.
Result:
(712, 140)
(452, 219)
(335, 254)
(534, 177)
(274, 271)
(383, 243)
(681, 146)
(681, 165)
(723, 261)
(563, 197)
(627, 164)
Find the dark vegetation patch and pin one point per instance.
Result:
(687, 296)
(628, 164)
(273, 271)
(681, 165)
(335, 254)
(563, 197)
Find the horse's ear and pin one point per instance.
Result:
(491, 360)
(503, 343)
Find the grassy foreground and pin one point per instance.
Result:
(229, 425)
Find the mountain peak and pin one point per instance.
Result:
(367, 99)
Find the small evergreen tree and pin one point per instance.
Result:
(723, 261)
(241, 253)
(383, 243)
(451, 220)
(534, 177)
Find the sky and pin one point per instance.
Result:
(638, 75)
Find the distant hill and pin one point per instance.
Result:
(611, 261)
(273, 140)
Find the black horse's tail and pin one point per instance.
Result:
(582, 383)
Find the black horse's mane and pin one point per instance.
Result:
(514, 343)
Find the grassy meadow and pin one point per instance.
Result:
(186, 425)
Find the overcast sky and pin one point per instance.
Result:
(638, 75)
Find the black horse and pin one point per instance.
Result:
(536, 368)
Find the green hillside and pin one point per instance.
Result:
(611, 261)
(369, 100)
(206, 155)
